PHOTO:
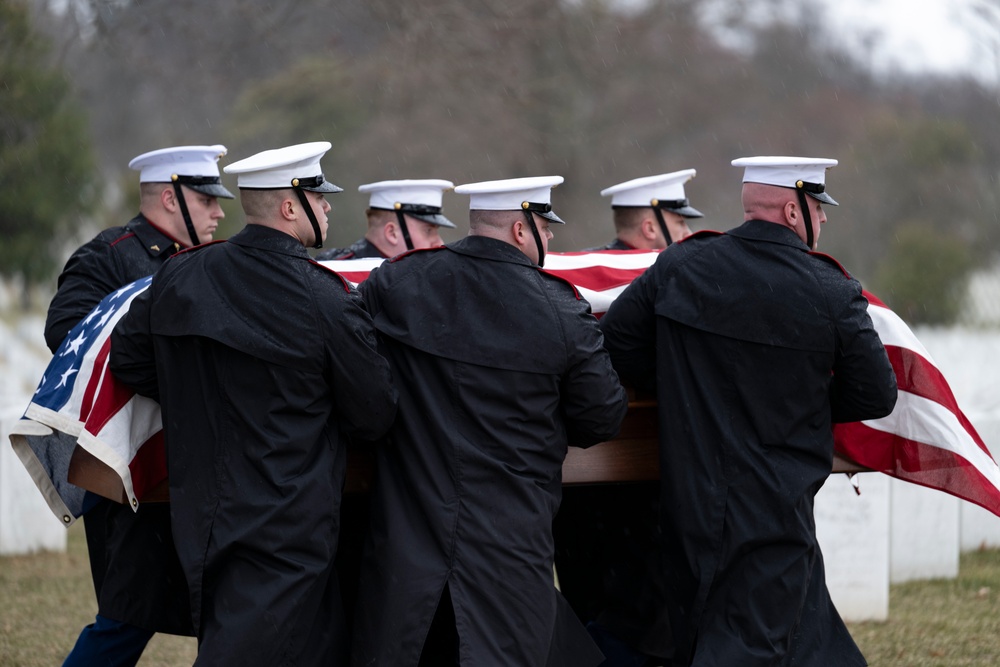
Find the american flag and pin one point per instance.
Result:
(926, 440)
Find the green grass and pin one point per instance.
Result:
(941, 623)
(47, 598)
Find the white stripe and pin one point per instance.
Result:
(923, 420)
(892, 330)
(555, 261)
(601, 300)
(365, 264)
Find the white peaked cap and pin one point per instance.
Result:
(642, 191)
(426, 192)
(160, 166)
(416, 197)
(652, 190)
(281, 168)
(787, 172)
(511, 194)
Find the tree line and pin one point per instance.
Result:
(594, 90)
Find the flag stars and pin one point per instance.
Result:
(94, 313)
(121, 291)
(105, 317)
(65, 377)
(74, 345)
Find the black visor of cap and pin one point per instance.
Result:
(817, 191)
(681, 207)
(678, 206)
(544, 210)
(316, 184)
(424, 213)
(206, 185)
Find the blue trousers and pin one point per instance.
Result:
(108, 643)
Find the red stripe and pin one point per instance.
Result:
(149, 466)
(598, 278)
(918, 376)
(874, 300)
(917, 463)
(356, 277)
(95, 378)
(122, 238)
(112, 398)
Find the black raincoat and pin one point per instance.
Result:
(755, 347)
(500, 366)
(137, 576)
(261, 359)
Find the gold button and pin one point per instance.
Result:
(525, 205)
(295, 182)
(174, 177)
(799, 184)
(397, 206)
(135, 502)
(654, 202)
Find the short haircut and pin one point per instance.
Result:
(765, 202)
(260, 204)
(497, 220)
(149, 193)
(628, 218)
(379, 217)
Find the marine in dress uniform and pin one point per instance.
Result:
(402, 215)
(755, 345)
(419, 200)
(500, 366)
(139, 584)
(650, 212)
(608, 536)
(263, 361)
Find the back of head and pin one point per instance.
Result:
(765, 202)
(292, 170)
(492, 223)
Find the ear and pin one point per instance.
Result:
(791, 212)
(648, 228)
(168, 199)
(391, 232)
(288, 209)
(519, 233)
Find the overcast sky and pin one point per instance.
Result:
(922, 35)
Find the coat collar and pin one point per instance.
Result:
(760, 230)
(151, 237)
(484, 247)
(271, 240)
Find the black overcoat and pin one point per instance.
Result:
(261, 359)
(137, 576)
(499, 366)
(758, 346)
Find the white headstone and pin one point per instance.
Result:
(26, 522)
(853, 532)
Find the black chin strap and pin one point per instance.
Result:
(663, 223)
(184, 212)
(304, 200)
(527, 208)
(806, 217)
(402, 226)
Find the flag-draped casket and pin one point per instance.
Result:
(84, 431)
